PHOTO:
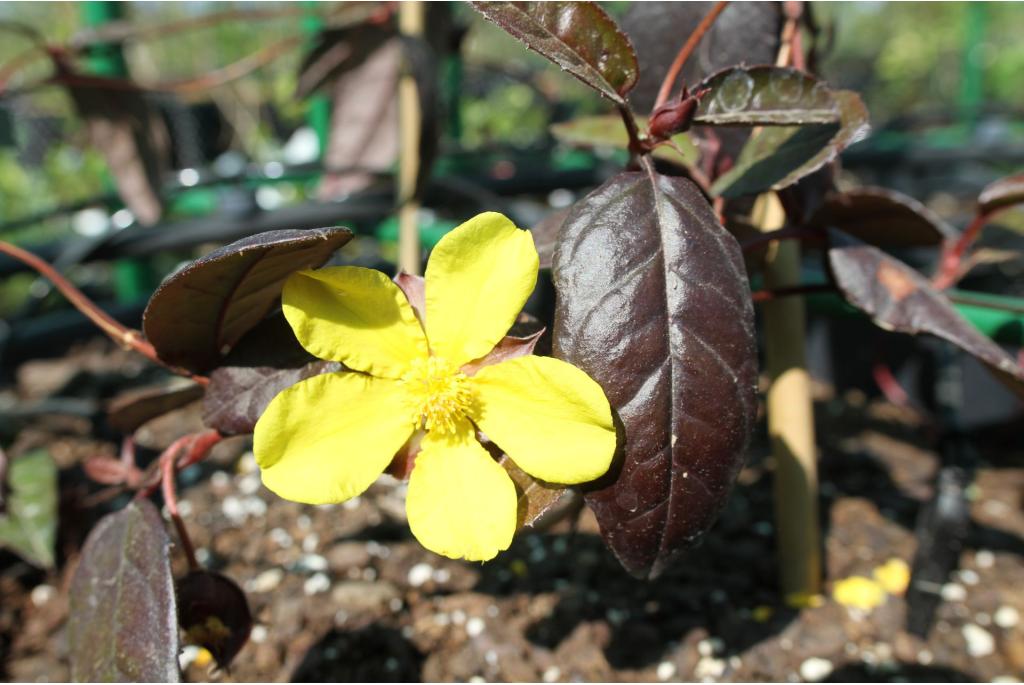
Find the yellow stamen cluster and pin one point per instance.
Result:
(437, 394)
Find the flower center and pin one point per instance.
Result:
(437, 394)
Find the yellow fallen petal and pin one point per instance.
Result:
(804, 600)
(894, 576)
(552, 419)
(858, 592)
(478, 279)
(355, 316)
(327, 438)
(460, 503)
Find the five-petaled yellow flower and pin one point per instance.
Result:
(327, 438)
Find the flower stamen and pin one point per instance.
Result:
(437, 394)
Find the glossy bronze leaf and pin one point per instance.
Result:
(765, 96)
(1005, 192)
(898, 298)
(580, 37)
(882, 217)
(123, 625)
(654, 304)
(779, 156)
(198, 314)
(538, 502)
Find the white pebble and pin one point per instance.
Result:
(41, 594)
(281, 538)
(493, 611)
(925, 657)
(458, 617)
(249, 483)
(475, 626)
(203, 556)
(954, 592)
(710, 646)
(477, 679)
(984, 558)
(312, 563)
(233, 509)
(310, 542)
(666, 669)
(551, 674)
(304, 522)
(709, 667)
(969, 577)
(317, 583)
(420, 574)
(247, 463)
(442, 575)
(395, 604)
(815, 669)
(258, 634)
(979, 641)
(184, 508)
(1006, 679)
(266, 581)
(254, 506)
(220, 480)
(442, 619)
(369, 574)
(1005, 617)
(187, 656)
(491, 657)
(351, 504)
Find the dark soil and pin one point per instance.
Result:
(343, 593)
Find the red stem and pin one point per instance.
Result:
(684, 53)
(890, 387)
(810, 289)
(171, 500)
(953, 253)
(126, 337)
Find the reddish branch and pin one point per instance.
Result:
(684, 53)
(126, 337)
(810, 289)
(953, 253)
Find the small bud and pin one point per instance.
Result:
(675, 117)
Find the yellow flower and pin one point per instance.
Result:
(326, 439)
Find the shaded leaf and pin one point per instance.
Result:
(660, 315)
(29, 525)
(122, 625)
(363, 139)
(580, 37)
(898, 298)
(765, 96)
(781, 155)
(882, 217)
(1005, 192)
(213, 612)
(608, 131)
(199, 313)
(336, 51)
(746, 32)
(131, 409)
(132, 137)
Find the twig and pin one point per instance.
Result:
(953, 252)
(769, 295)
(126, 337)
(233, 71)
(684, 53)
(171, 500)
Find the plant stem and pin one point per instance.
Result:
(789, 291)
(171, 500)
(684, 53)
(410, 23)
(790, 412)
(128, 338)
(953, 253)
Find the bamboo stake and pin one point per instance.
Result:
(790, 415)
(410, 23)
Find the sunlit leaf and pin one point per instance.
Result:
(29, 525)
(199, 313)
(122, 625)
(765, 96)
(653, 303)
(1005, 192)
(781, 155)
(580, 37)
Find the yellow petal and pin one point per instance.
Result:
(355, 316)
(327, 438)
(478, 279)
(460, 502)
(858, 592)
(893, 575)
(552, 419)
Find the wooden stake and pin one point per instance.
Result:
(790, 414)
(410, 23)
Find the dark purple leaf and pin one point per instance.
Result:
(882, 217)
(132, 137)
(580, 37)
(213, 612)
(199, 313)
(1005, 192)
(545, 235)
(122, 625)
(780, 156)
(28, 527)
(538, 501)
(745, 33)
(897, 298)
(131, 409)
(654, 304)
(765, 96)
